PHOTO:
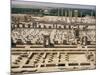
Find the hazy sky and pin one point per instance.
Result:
(34, 4)
(89, 2)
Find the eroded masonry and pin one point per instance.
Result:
(52, 39)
